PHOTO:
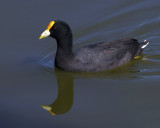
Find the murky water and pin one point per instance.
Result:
(126, 97)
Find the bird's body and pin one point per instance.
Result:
(92, 58)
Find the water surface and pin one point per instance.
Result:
(126, 97)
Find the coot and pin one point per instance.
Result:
(92, 58)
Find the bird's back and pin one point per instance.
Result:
(106, 55)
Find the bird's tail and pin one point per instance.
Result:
(144, 44)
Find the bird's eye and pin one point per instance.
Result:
(55, 27)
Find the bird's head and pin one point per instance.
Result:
(57, 30)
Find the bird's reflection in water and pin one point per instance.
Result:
(64, 100)
(65, 79)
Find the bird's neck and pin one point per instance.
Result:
(64, 52)
(64, 46)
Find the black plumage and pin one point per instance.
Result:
(92, 58)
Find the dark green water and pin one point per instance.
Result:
(126, 97)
